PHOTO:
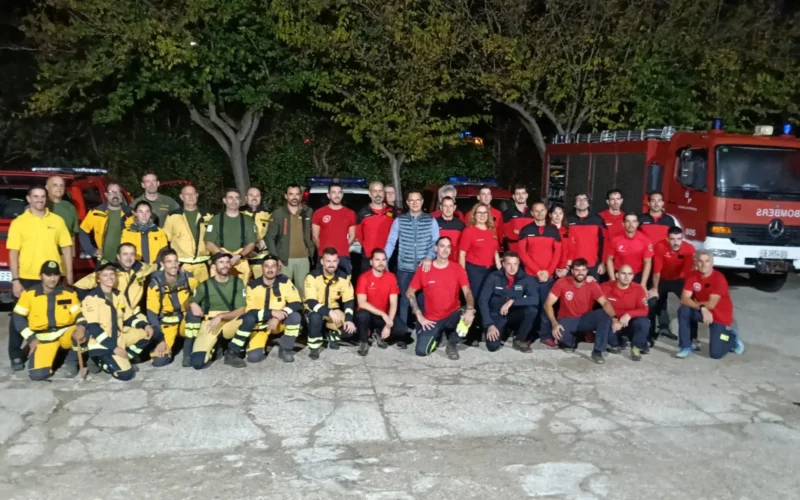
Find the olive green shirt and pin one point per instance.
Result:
(160, 208)
(113, 236)
(228, 235)
(191, 217)
(66, 211)
(232, 290)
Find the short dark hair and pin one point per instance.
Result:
(447, 198)
(113, 183)
(539, 202)
(292, 186)
(628, 214)
(165, 252)
(34, 188)
(583, 193)
(612, 191)
(149, 172)
(413, 191)
(230, 190)
(330, 251)
(444, 238)
(553, 208)
(484, 186)
(126, 244)
(519, 186)
(511, 254)
(377, 251)
(269, 256)
(651, 193)
(580, 262)
(674, 230)
(334, 185)
(140, 203)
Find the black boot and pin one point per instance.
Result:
(233, 359)
(363, 348)
(379, 341)
(17, 364)
(452, 351)
(313, 353)
(188, 345)
(287, 355)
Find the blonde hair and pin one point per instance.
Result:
(473, 220)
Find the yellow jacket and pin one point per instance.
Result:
(261, 218)
(148, 239)
(281, 296)
(324, 294)
(181, 239)
(96, 222)
(32, 313)
(130, 283)
(106, 319)
(167, 303)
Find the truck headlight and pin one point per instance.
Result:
(723, 254)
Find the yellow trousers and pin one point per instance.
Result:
(199, 270)
(41, 364)
(207, 338)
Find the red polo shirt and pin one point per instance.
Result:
(631, 251)
(452, 229)
(631, 301)
(497, 216)
(672, 265)
(377, 289)
(574, 301)
(440, 289)
(703, 288)
(333, 228)
(480, 245)
(514, 221)
(656, 228)
(373, 227)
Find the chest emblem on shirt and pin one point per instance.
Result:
(696, 287)
(326, 219)
(569, 295)
(621, 248)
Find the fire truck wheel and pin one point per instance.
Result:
(770, 283)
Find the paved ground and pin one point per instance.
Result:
(393, 426)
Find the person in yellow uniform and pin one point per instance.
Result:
(329, 302)
(218, 303)
(168, 296)
(34, 237)
(232, 232)
(45, 315)
(147, 237)
(261, 218)
(105, 223)
(273, 307)
(186, 231)
(115, 335)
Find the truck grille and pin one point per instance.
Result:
(758, 234)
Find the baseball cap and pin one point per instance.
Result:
(103, 265)
(51, 268)
(220, 255)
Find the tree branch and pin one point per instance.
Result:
(209, 127)
(549, 114)
(220, 123)
(244, 126)
(230, 121)
(530, 124)
(251, 133)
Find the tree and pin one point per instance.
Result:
(220, 58)
(383, 69)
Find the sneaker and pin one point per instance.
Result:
(614, 349)
(646, 350)
(17, 364)
(334, 345)
(522, 346)
(568, 349)
(69, 370)
(664, 332)
(598, 358)
(402, 344)
(452, 351)
(696, 346)
(233, 359)
(684, 353)
(379, 341)
(313, 353)
(739, 348)
(363, 348)
(551, 343)
(636, 354)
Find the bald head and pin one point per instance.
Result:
(189, 198)
(253, 198)
(624, 275)
(55, 188)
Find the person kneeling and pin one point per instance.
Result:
(509, 301)
(443, 315)
(329, 303)
(215, 308)
(575, 314)
(273, 307)
(629, 301)
(377, 293)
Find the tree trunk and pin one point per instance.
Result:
(395, 163)
(530, 124)
(233, 136)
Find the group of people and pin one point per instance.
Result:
(172, 277)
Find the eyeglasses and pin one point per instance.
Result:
(481, 213)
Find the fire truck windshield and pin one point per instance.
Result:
(760, 173)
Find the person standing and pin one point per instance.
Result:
(613, 216)
(706, 298)
(632, 248)
(656, 223)
(373, 223)
(56, 187)
(232, 232)
(261, 217)
(105, 223)
(557, 219)
(289, 237)
(450, 225)
(144, 235)
(443, 317)
(415, 234)
(391, 198)
(376, 294)
(630, 308)
(34, 237)
(448, 191)
(673, 260)
(586, 232)
(186, 231)
(485, 197)
(334, 226)
(160, 205)
(509, 300)
(329, 303)
(575, 314)
(516, 218)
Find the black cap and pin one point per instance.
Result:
(103, 265)
(51, 268)
(220, 255)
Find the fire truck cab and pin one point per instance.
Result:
(736, 195)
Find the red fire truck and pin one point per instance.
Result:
(736, 195)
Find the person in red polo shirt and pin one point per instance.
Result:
(656, 222)
(334, 226)
(630, 308)
(613, 217)
(673, 260)
(450, 224)
(706, 298)
(485, 197)
(376, 293)
(587, 236)
(576, 299)
(448, 191)
(632, 248)
(373, 223)
(516, 218)
(443, 316)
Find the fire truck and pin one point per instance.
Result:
(736, 195)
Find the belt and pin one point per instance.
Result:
(51, 335)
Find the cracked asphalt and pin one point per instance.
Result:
(392, 426)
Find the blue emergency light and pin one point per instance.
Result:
(462, 180)
(458, 179)
(327, 181)
(465, 134)
(787, 129)
(490, 181)
(716, 124)
(71, 170)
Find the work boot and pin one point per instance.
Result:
(313, 353)
(452, 351)
(551, 343)
(287, 355)
(334, 345)
(363, 348)
(17, 364)
(598, 358)
(188, 346)
(636, 354)
(379, 341)
(667, 334)
(233, 359)
(522, 346)
(402, 344)
(69, 370)
(614, 349)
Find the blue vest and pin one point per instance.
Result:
(415, 237)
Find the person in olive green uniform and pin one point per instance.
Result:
(232, 232)
(289, 237)
(56, 187)
(160, 205)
